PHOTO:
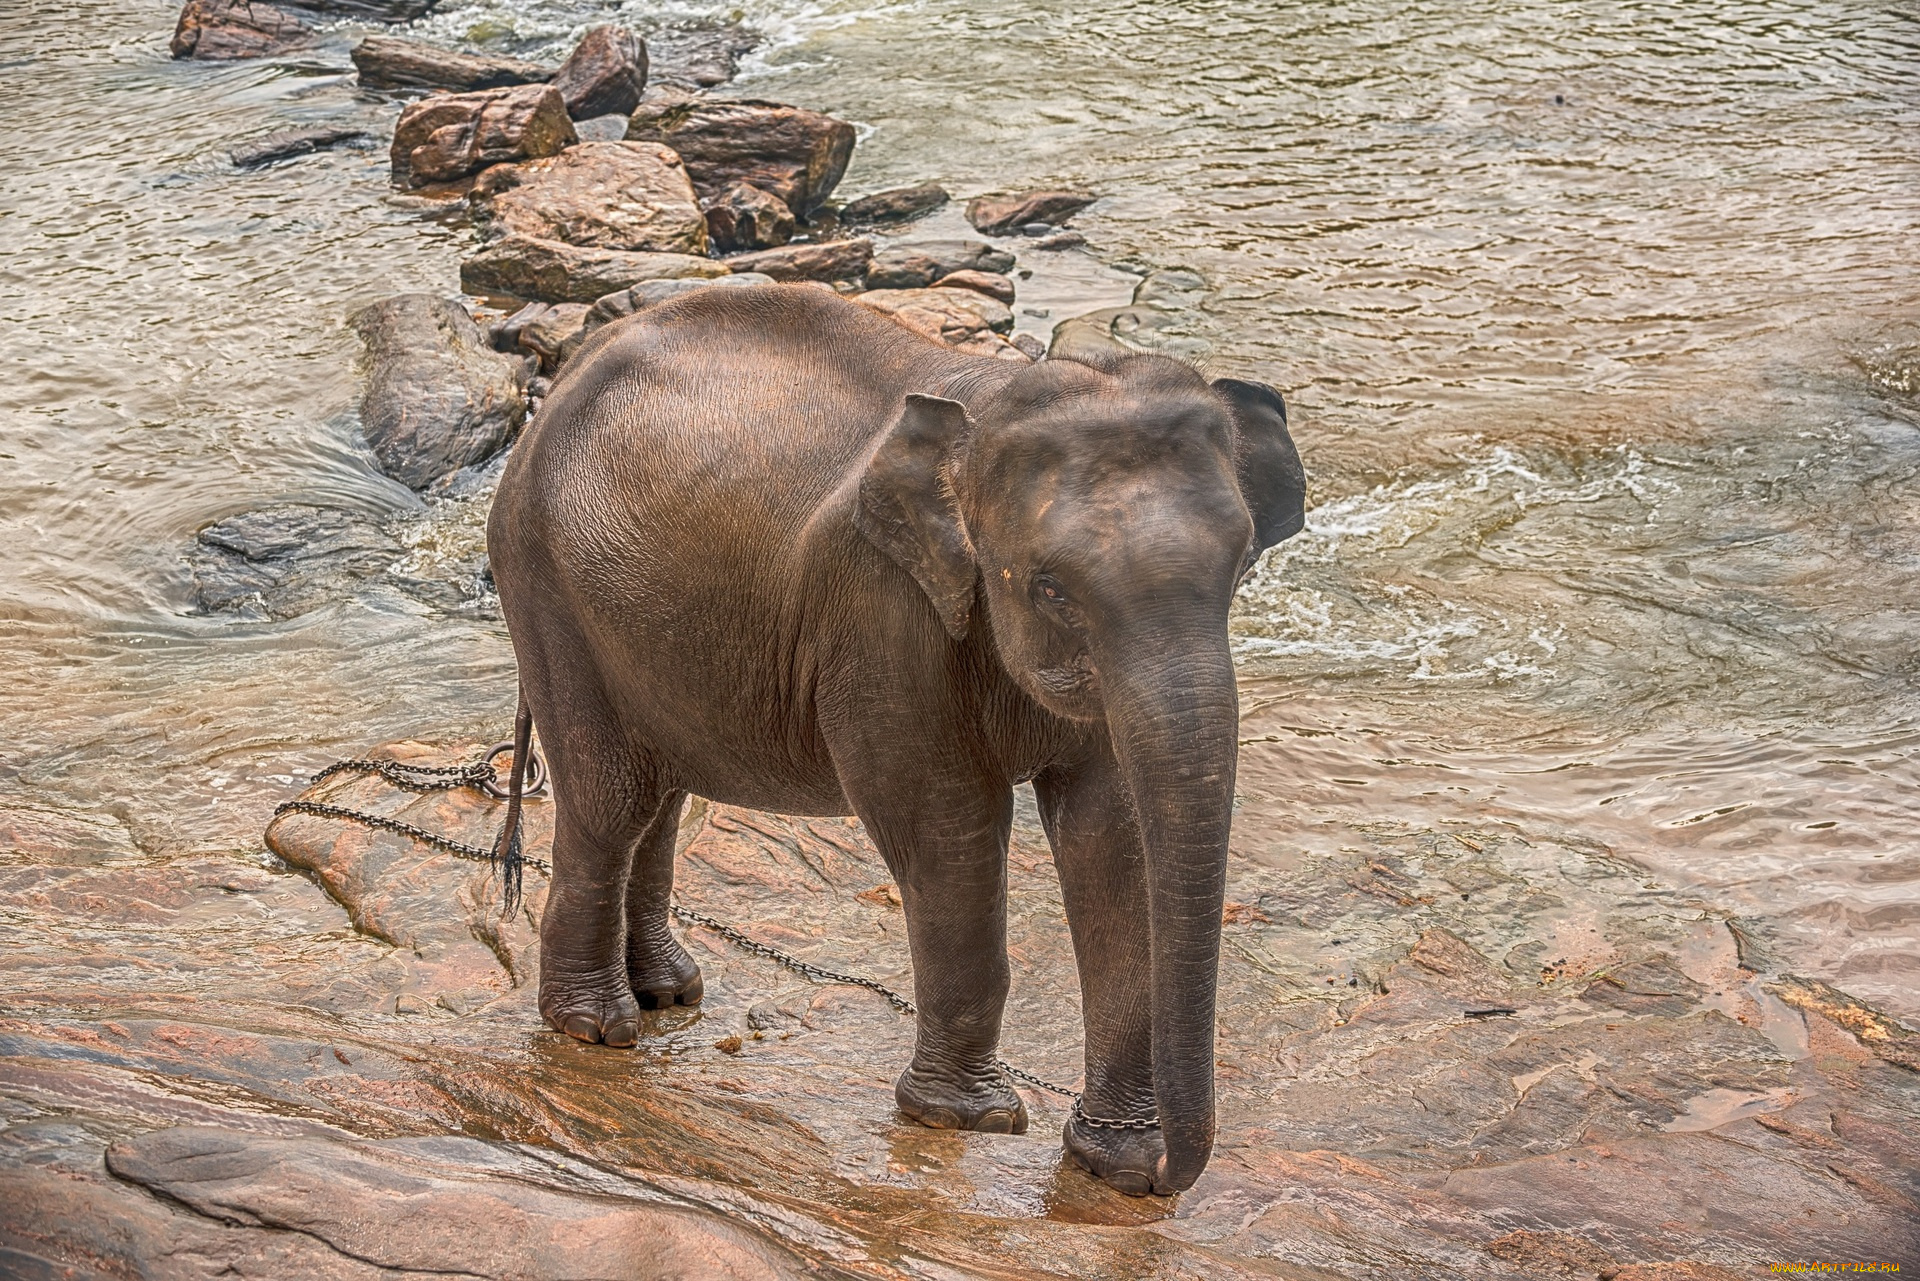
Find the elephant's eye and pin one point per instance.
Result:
(1049, 589)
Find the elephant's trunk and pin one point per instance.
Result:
(1173, 718)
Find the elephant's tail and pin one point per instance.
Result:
(507, 856)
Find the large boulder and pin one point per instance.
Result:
(553, 271)
(614, 195)
(919, 264)
(789, 152)
(834, 260)
(388, 62)
(438, 398)
(447, 136)
(961, 318)
(999, 215)
(605, 74)
(222, 30)
(901, 204)
(745, 217)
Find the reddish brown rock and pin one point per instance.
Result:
(222, 30)
(961, 318)
(613, 195)
(605, 74)
(449, 135)
(835, 260)
(789, 152)
(901, 204)
(744, 217)
(990, 283)
(552, 271)
(547, 335)
(999, 215)
(388, 62)
(918, 264)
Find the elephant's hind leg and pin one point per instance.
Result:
(658, 968)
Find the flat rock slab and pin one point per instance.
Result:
(438, 398)
(789, 152)
(900, 204)
(1001, 215)
(285, 144)
(1466, 1051)
(917, 264)
(610, 195)
(960, 317)
(552, 271)
(832, 260)
(389, 62)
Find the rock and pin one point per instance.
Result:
(959, 318)
(835, 260)
(605, 74)
(1032, 347)
(551, 271)
(448, 1205)
(284, 144)
(625, 302)
(372, 10)
(613, 195)
(745, 217)
(222, 30)
(388, 62)
(789, 152)
(990, 283)
(450, 135)
(918, 264)
(283, 561)
(999, 215)
(1163, 318)
(546, 334)
(437, 399)
(901, 204)
(698, 55)
(1059, 241)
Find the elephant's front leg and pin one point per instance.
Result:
(1102, 867)
(948, 851)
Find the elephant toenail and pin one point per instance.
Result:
(1130, 1182)
(940, 1119)
(623, 1035)
(1080, 1160)
(996, 1121)
(582, 1028)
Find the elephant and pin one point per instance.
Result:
(768, 547)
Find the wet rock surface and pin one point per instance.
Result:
(286, 144)
(438, 398)
(832, 260)
(743, 217)
(900, 205)
(605, 74)
(552, 271)
(1003, 215)
(613, 195)
(224, 30)
(917, 264)
(1424, 1066)
(793, 154)
(389, 62)
(278, 562)
(698, 55)
(960, 317)
(448, 136)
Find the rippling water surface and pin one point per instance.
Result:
(1600, 321)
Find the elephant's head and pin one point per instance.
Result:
(1103, 514)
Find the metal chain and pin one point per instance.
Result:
(437, 778)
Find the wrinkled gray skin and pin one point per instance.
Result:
(764, 546)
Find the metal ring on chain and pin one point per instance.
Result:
(480, 776)
(535, 784)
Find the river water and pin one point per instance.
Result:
(1600, 321)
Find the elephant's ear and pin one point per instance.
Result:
(906, 506)
(1271, 478)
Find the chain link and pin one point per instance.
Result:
(441, 778)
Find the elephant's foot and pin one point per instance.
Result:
(598, 1009)
(947, 1099)
(661, 973)
(1130, 1161)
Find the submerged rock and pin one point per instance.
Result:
(438, 398)
(223, 30)
(450, 135)
(615, 195)
(745, 217)
(388, 62)
(1162, 318)
(789, 152)
(285, 144)
(918, 264)
(283, 561)
(699, 55)
(552, 271)
(1002, 215)
(835, 260)
(901, 204)
(605, 74)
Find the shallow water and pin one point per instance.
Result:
(1599, 321)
